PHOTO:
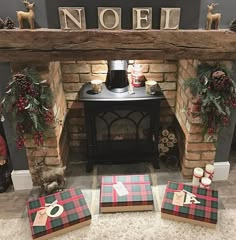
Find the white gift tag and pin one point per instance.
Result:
(41, 218)
(120, 189)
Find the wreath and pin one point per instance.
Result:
(215, 97)
(29, 99)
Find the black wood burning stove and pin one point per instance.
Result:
(121, 128)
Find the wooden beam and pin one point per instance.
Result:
(56, 44)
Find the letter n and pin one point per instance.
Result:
(72, 18)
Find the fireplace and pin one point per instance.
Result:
(121, 128)
(167, 56)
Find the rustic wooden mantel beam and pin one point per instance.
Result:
(58, 45)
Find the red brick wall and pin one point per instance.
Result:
(196, 150)
(54, 150)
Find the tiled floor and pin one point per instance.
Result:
(13, 202)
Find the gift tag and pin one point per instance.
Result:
(178, 198)
(120, 189)
(41, 218)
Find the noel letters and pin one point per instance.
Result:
(74, 18)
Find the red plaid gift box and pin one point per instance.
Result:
(75, 214)
(204, 213)
(138, 198)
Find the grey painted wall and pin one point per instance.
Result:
(9, 8)
(193, 11)
(17, 157)
(227, 8)
(190, 11)
(47, 11)
(226, 135)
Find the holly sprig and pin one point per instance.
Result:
(214, 94)
(29, 99)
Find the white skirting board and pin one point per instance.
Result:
(221, 172)
(21, 179)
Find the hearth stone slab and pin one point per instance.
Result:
(76, 175)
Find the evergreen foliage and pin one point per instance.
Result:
(29, 99)
(215, 96)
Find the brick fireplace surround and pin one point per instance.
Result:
(66, 79)
(66, 76)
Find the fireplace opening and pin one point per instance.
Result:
(121, 128)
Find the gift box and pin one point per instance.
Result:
(137, 195)
(203, 213)
(75, 213)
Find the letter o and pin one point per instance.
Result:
(101, 18)
(57, 214)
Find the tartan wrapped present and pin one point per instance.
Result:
(76, 213)
(138, 198)
(204, 213)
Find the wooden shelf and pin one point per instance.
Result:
(56, 44)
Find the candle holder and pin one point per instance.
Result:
(137, 76)
(96, 86)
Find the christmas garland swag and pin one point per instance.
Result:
(29, 99)
(215, 95)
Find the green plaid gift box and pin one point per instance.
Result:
(139, 197)
(204, 214)
(75, 214)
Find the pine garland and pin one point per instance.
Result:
(29, 99)
(215, 95)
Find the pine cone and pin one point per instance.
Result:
(232, 25)
(20, 77)
(21, 80)
(1, 24)
(9, 23)
(218, 74)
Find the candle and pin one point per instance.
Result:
(151, 87)
(205, 182)
(209, 171)
(197, 174)
(96, 86)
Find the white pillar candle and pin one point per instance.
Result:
(209, 171)
(197, 174)
(205, 182)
